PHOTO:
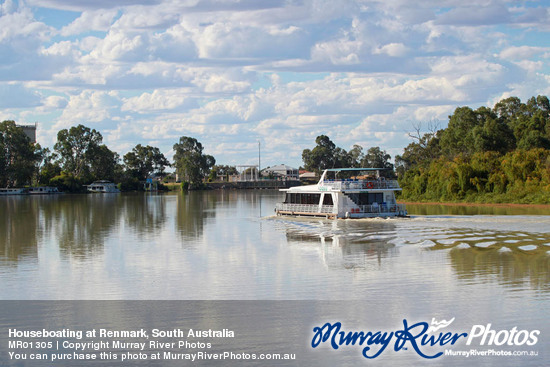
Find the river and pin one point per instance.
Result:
(479, 265)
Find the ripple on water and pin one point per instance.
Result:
(427, 243)
(485, 244)
(528, 247)
(449, 241)
(462, 245)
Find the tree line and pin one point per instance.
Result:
(499, 154)
(327, 155)
(79, 157)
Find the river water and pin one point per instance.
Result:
(479, 265)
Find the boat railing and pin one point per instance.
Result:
(304, 208)
(382, 208)
(360, 184)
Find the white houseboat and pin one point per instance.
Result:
(44, 190)
(13, 191)
(103, 187)
(366, 196)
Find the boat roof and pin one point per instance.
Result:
(353, 169)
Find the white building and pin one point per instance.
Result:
(282, 171)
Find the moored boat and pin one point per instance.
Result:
(359, 196)
(44, 190)
(13, 191)
(102, 186)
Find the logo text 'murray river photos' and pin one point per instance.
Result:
(420, 337)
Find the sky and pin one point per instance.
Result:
(238, 75)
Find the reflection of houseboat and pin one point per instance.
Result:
(43, 190)
(339, 197)
(102, 186)
(13, 191)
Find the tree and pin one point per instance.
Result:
(18, 156)
(49, 168)
(422, 150)
(145, 161)
(493, 135)
(104, 163)
(191, 164)
(356, 155)
(76, 148)
(457, 138)
(323, 156)
(377, 158)
(222, 170)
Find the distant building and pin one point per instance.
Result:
(282, 171)
(30, 131)
(307, 176)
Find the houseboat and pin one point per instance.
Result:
(44, 190)
(344, 193)
(13, 191)
(102, 187)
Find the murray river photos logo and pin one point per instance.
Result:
(427, 340)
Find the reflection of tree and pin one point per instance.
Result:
(18, 228)
(146, 213)
(82, 222)
(511, 269)
(193, 208)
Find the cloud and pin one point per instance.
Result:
(231, 72)
(522, 52)
(95, 20)
(476, 15)
(91, 108)
(84, 5)
(159, 100)
(392, 49)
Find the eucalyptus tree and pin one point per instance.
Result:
(76, 147)
(83, 156)
(145, 161)
(190, 162)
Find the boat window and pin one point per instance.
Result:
(302, 198)
(327, 199)
(367, 198)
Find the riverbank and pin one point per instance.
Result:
(498, 205)
(469, 209)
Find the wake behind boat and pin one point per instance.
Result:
(360, 196)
